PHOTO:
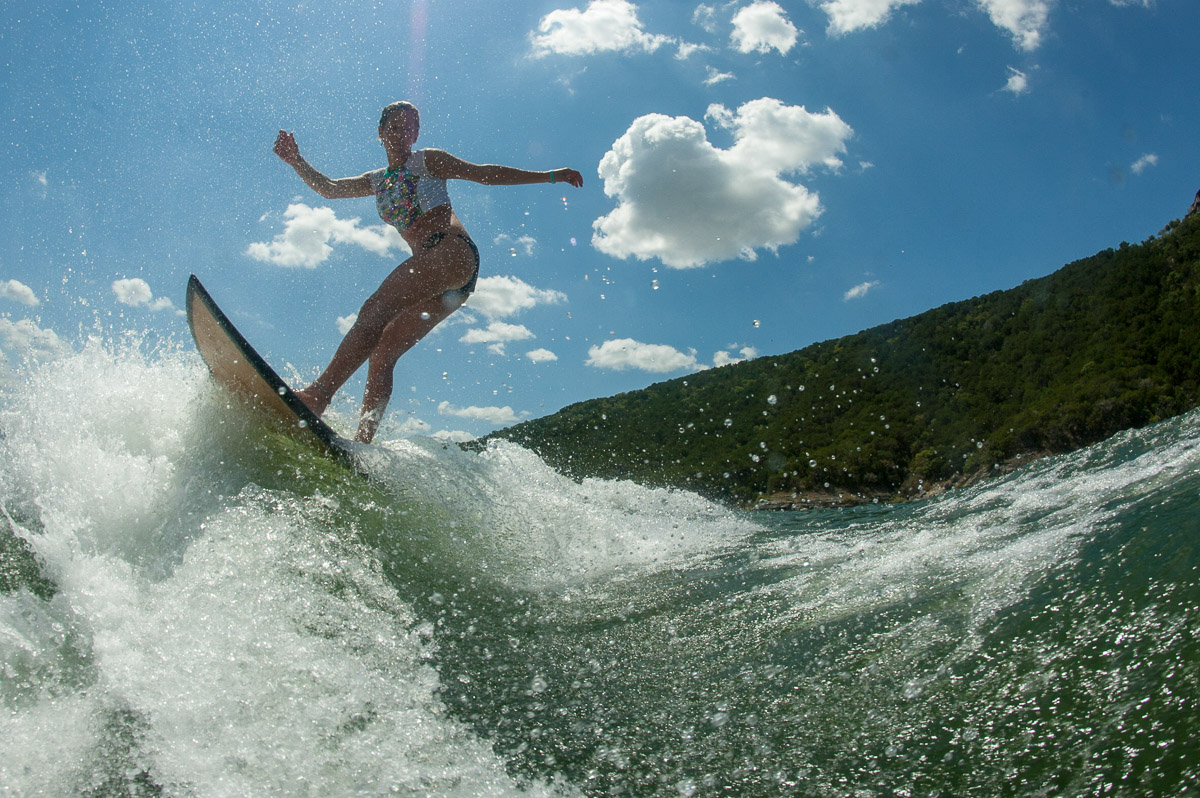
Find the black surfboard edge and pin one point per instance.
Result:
(335, 444)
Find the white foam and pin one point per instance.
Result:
(241, 644)
(550, 531)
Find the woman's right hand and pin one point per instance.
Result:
(286, 149)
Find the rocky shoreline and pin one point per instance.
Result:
(917, 491)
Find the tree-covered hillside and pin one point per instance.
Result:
(1103, 344)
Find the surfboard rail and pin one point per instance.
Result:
(237, 367)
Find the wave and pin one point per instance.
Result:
(193, 604)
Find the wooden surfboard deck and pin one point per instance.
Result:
(236, 366)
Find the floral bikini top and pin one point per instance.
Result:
(405, 194)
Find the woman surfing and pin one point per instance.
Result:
(410, 194)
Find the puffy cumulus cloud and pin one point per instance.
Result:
(521, 245)
(135, 292)
(847, 16)
(344, 323)
(492, 415)
(763, 26)
(412, 426)
(859, 291)
(686, 202)
(541, 356)
(625, 353)
(496, 297)
(1025, 20)
(25, 339)
(603, 26)
(715, 76)
(309, 232)
(687, 48)
(497, 332)
(453, 435)
(19, 292)
(725, 358)
(1144, 163)
(1018, 81)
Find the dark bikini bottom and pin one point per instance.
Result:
(468, 289)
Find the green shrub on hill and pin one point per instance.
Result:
(1104, 344)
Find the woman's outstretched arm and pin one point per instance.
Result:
(341, 188)
(446, 166)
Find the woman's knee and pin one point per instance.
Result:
(376, 312)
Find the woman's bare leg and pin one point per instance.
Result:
(398, 337)
(423, 277)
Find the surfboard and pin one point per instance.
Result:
(238, 368)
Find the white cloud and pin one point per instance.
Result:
(706, 17)
(859, 291)
(1025, 20)
(715, 76)
(603, 26)
(344, 323)
(496, 297)
(1144, 163)
(412, 426)
(136, 292)
(19, 292)
(724, 358)
(493, 415)
(687, 48)
(456, 435)
(307, 233)
(763, 26)
(497, 332)
(626, 353)
(25, 339)
(541, 356)
(688, 203)
(1018, 81)
(521, 245)
(847, 16)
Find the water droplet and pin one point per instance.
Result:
(757, 323)
(729, 422)
(772, 399)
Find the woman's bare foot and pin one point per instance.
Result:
(315, 398)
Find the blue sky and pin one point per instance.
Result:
(759, 175)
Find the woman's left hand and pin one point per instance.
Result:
(568, 176)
